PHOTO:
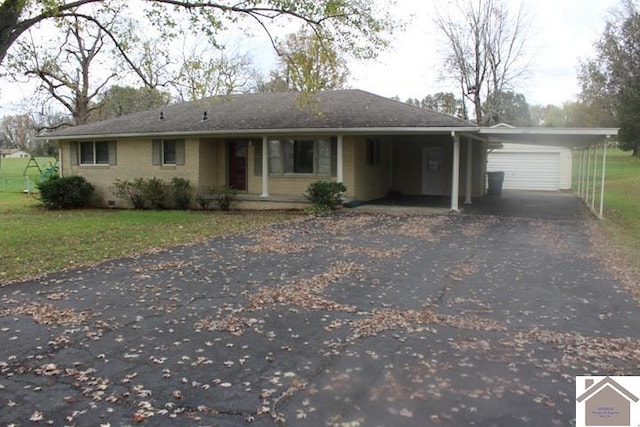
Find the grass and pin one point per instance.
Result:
(622, 202)
(36, 241)
(16, 177)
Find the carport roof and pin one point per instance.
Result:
(562, 137)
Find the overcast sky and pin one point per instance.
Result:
(564, 32)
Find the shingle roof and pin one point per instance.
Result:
(341, 109)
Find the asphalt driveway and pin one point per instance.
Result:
(355, 319)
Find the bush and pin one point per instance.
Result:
(69, 192)
(154, 192)
(226, 196)
(182, 192)
(325, 195)
(130, 191)
(203, 199)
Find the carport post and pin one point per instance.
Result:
(339, 160)
(265, 167)
(467, 187)
(604, 171)
(580, 158)
(595, 175)
(588, 176)
(455, 179)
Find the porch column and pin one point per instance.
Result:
(265, 167)
(340, 160)
(455, 178)
(467, 192)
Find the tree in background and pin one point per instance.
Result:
(208, 72)
(275, 83)
(71, 70)
(507, 107)
(308, 62)
(18, 131)
(610, 82)
(548, 116)
(485, 49)
(121, 100)
(442, 102)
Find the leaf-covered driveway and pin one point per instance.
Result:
(345, 320)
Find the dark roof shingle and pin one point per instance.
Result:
(340, 109)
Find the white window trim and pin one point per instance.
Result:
(94, 162)
(316, 157)
(162, 152)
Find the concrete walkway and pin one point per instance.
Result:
(346, 320)
(511, 203)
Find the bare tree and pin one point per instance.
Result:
(485, 51)
(207, 72)
(18, 131)
(72, 73)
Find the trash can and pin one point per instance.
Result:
(495, 183)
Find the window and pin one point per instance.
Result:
(301, 156)
(88, 153)
(168, 152)
(373, 152)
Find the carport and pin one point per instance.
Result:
(590, 144)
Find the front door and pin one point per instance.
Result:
(238, 165)
(433, 171)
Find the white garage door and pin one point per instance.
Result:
(527, 170)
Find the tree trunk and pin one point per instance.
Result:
(10, 11)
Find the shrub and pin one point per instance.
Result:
(182, 192)
(203, 199)
(154, 192)
(130, 191)
(325, 195)
(69, 192)
(226, 196)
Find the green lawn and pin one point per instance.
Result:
(16, 177)
(35, 241)
(622, 202)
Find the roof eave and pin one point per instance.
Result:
(551, 131)
(272, 132)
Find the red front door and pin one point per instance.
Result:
(238, 165)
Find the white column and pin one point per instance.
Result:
(455, 178)
(469, 183)
(595, 175)
(340, 160)
(588, 176)
(581, 160)
(265, 167)
(604, 172)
